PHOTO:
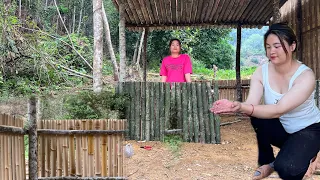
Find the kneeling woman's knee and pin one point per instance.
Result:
(289, 171)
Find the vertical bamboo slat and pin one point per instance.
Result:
(157, 113)
(211, 116)
(6, 151)
(65, 150)
(190, 118)
(200, 113)
(137, 111)
(217, 118)
(15, 164)
(85, 152)
(78, 150)
(143, 111)
(47, 150)
(162, 113)
(132, 109)
(110, 159)
(184, 111)
(114, 150)
(152, 110)
(90, 150)
(147, 128)
(195, 112)
(53, 150)
(2, 165)
(104, 151)
(97, 150)
(59, 149)
(9, 139)
(167, 105)
(205, 111)
(179, 109)
(173, 107)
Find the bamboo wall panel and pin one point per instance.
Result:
(12, 151)
(175, 106)
(227, 89)
(81, 155)
(310, 29)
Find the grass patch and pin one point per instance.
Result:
(174, 143)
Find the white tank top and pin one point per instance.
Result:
(302, 116)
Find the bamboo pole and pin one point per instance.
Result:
(132, 114)
(85, 152)
(53, 154)
(156, 124)
(97, 149)
(137, 110)
(12, 150)
(59, 149)
(179, 108)
(128, 108)
(2, 146)
(167, 105)
(147, 128)
(6, 151)
(152, 110)
(173, 107)
(110, 160)
(143, 111)
(16, 150)
(21, 153)
(190, 119)
(217, 118)
(211, 116)
(195, 112)
(104, 151)
(205, 111)
(161, 113)
(114, 150)
(200, 112)
(33, 139)
(90, 151)
(78, 150)
(47, 150)
(184, 100)
(40, 150)
(121, 144)
(65, 151)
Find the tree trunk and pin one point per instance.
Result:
(135, 54)
(140, 48)
(122, 43)
(238, 75)
(109, 44)
(80, 17)
(20, 9)
(74, 18)
(33, 150)
(145, 39)
(98, 45)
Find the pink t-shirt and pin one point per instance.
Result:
(176, 68)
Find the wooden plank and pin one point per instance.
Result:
(110, 149)
(97, 149)
(210, 9)
(179, 109)
(161, 112)
(47, 150)
(173, 107)
(72, 158)
(156, 124)
(206, 111)
(143, 111)
(184, 111)
(132, 121)
(190, 119)
(167, 105)
(211, 117)
(104, 151)
(90, 151)
(152, 110)
(137, 110)
(195, 112)
(59, 149)
(65, 151)
(148, 109)
(217, 118)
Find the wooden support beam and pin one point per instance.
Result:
(276, 11)
(144, 56)
(238, 75)
(299, 30)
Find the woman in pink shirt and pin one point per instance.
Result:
(176, 67)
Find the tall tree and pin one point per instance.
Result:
(98, 45)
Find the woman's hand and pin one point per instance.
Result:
(225, 106)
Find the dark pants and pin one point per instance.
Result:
(296, 150)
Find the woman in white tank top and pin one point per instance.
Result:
(289, 119)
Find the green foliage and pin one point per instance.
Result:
(89, 105)
(231, 73)
(174, 142)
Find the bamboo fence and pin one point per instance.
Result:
(83, 155)
(156, 109)
(12, 155)
(227, 89)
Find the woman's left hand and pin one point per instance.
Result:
(225, 106)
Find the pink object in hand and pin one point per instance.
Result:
(222, 106)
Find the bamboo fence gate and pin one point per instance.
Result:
(12, 157)
(156, 109)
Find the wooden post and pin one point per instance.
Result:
(33, 139)
(276, 11)
(238, 75)
(299, 30)
(145, 40)
(122, 42)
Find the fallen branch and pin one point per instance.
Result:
(228, 123)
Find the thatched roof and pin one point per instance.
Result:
(172, 14)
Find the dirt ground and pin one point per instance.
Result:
(234, 159)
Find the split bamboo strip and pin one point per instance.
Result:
(97, 149)
(161, 113)
(12, 149)
(21, 155)
(9, 142)
(47, 150)
(121, 144)
(65, 151)
(78, 150)
(185, 111)
(190, 120)
(137, 111)
(211, 116)
(217, 118)
(132, 109)
(16, 152)
(173, 107)
(178, 103)
(41, 159)
(152, 110)
(167, 106)
(110, 160)
(126, 91)
(59, 149)
(195, 112)
(205, 111)
(143, 111)
(6, 159)
(91, 150)
(114, 150)
(104, 151)
(2, 151)
(147, 129)
(157, 113)
(200, 113)
(53, 149)
(85, 153)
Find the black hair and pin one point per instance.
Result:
(174, 39)
(284, 33)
